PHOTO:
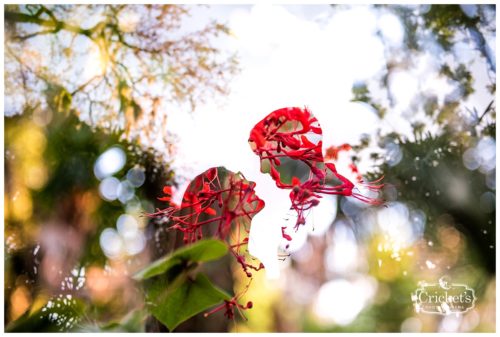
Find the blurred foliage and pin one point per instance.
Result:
(61, 316)
(61, 120)
(428, 172)
(116, 66)
(52, 194)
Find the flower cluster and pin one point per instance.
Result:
(230, 305)
(217, 203)
(295, 134)
(332, 154)
(220, 203)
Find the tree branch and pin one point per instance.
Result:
(54, 24)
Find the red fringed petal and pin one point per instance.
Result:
(288, 132)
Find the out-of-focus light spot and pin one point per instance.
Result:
(395, 222)
(111, 243)
(128, 240)
(12, 242)
(127, 226)
(125, 191)
(491, 179)
(470, 321)
(393, 154)
(21, 205)
(411, 324)
(342, 255)
(469, 10)
(429, 264)
(128, 20)
(350, 207)
(98, 284)
(42, 116)
(418, 220)
(35, 176)
(403, 87)
(136, 176)
(20, 301)
(486, 152)
(110, 162)
(31, 141)
(449, 237)
(391, 29)
(133, 237)
(340, 301)
(304, 254)
(487, 202)
(135, 245)
(458, 190)
(450, 323)
(133, 206)
(108, 188)
(482, 156)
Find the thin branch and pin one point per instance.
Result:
(29, 36)
(53, 24)
(81, 87)
(485, 112)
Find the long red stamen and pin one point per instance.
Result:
(293, 133)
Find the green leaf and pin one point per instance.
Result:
(175, 303)
(201, 251)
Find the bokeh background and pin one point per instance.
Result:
(104, 105)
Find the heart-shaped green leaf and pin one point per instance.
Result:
(201, 251)
(180, 300)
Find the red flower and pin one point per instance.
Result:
(217, 203)
(230, 305)
(332, 152)
(295, 134)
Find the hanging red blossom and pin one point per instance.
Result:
(333, 151)
(332, 154)
(230, 305)
(294, 135)
(217, 203)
